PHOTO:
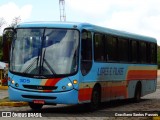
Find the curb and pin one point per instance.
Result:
(156, 118)
(3, 87)
(11, 103)
(14, 104)
(7, 102)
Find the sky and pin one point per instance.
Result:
(135, 16)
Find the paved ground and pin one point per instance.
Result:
(3, 94)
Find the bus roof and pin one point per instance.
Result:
(86, 26)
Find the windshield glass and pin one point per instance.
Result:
(44, 51)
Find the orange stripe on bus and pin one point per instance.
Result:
(142, 74)
(85, 94)
(51, 82)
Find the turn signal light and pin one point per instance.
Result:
(75, 81)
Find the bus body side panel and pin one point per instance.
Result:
(118, 81)
(111, 78)
(148, 86)
(146, 75)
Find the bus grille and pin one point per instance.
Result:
(38, 97)
(38, 87)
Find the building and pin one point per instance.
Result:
(3, 73)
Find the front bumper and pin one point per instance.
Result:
(67, 97)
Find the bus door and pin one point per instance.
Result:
(86, 64)
(86, 52)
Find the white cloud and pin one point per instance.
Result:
(25, 12)
(10, 10)
(136, 16)
(89, 7)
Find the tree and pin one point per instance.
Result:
(15, 21)
(2, 22)
(6, 45)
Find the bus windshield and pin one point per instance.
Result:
(39, 51)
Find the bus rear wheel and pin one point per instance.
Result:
(35, 106)
(137, 96)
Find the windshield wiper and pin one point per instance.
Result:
(38, 57)
(31, 65)
(44, 60)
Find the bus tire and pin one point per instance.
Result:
(95, 98)
(35, 106)
(137, 96)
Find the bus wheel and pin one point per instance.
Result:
(95, 99)
(35, 106)
(137, 96)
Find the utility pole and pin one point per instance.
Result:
(62, 10)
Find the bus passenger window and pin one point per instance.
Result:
(153, 50)
(111, 48)
(123, 49)
(86, 52)
(99, 48)
(143, 52)
(134, 51)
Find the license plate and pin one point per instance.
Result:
(38, 101)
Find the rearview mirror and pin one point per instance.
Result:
(8, 35)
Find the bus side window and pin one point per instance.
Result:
(112, 48)
(153, 51)
(86, 52)
(99, 47)
(134, 51)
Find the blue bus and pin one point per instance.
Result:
(75, 63)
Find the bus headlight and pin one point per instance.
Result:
(12, 81)
(69, 84)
